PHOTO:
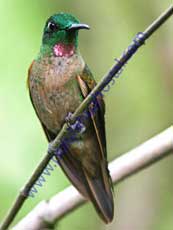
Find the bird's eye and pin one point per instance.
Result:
(52, 26)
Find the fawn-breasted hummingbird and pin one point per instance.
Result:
(58, 82)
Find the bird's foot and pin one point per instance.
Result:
(68, 119)
(77, 126)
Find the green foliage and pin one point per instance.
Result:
(139, 105)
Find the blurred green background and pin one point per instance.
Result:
(139, 105)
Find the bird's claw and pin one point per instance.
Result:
(76, 126)
(68, 119)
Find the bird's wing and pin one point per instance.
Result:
(97, 108)
(100, 184)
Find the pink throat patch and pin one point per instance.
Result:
(63, 50)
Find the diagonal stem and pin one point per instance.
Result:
(137, 42)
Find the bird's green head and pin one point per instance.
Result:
(60, 36)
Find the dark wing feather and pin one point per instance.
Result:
(100, 185)
(97, 109)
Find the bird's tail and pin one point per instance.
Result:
(100, 193)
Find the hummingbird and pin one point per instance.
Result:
(58, 81)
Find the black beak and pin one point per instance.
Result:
(78, 27)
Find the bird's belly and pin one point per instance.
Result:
(54, 104)
(54, 89)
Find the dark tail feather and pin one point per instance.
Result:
(101, 198)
